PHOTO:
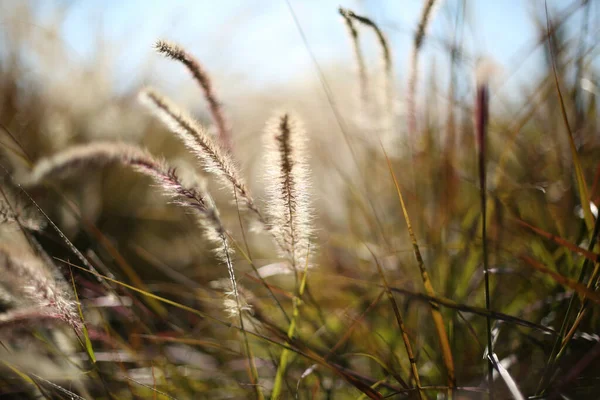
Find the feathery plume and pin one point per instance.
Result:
(30, 317)
(214, 160)
(15, 211)
(229, 301)
(49, 300)
(165, 177)
(287, 188)
(177, 53)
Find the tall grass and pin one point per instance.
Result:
(460, 269)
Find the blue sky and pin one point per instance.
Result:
(257, 40)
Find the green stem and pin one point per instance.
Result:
(283, 360)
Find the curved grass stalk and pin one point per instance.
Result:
(212, 157)
(177, 53)
(438, 320)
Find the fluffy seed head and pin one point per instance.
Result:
(210, 154)
(287, 187)
(177, 53)
(165, 178)
(103, 153)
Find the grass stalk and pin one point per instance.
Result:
(400, 321)
(438, 320)
(283, 359)
(481, 121)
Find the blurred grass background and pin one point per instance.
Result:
(70, 73)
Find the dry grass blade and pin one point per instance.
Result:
(448, 303)
(592, 226)
(86, 337)
(584, 197)
(400, 320)
(592, 285)
(435, 309)
(122, 262)
(287, 187)
(347, 375)
(210, 154)
(560, 345)
(576, 371)
(354, 324)
(49, 299)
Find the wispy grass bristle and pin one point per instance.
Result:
(177, 53)
(103, 153)
(211, 155)
(287, 187)
(166, 178)
(48, 299)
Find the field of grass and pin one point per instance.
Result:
(406, 240)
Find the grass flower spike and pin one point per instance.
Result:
(177, 53)
(287, 187)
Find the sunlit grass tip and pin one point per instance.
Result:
(210, 154)
(177, 53)
(287, 187)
